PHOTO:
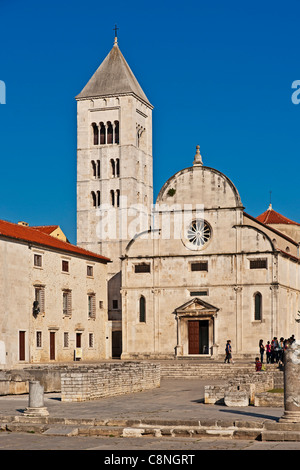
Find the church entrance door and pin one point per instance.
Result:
(198, 336)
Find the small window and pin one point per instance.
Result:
(37, 261)
(66, 339)
(257, 306)
(142, 268)
(101, 304)
(91, 305)
(115, 304)
(39, 297)
(65, 266)
(67, 303)
(198, 293)
(199, 266)
(258, 264)
(91, 340)
(142, 308)
(38, 339)
(90, 271)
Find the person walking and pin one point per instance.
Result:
(261, 350)
(228, 352)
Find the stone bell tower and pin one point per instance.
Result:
(114, 168)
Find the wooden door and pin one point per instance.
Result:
(193, 330)
(22, 345)
(78, 340)
(198, 336)
(52, 345)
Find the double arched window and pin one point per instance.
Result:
(105, 133)
(96, 198)
(96, 170)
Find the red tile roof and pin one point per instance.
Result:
(272, 217)
(46, 228)
(35, 236)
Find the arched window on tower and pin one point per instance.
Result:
(94, 172)
(117, 167)
(112, 197)
(112, 168)
(116, 132)
(142, 309)
(118, 198)
(98, 198)
(95, 133)
(109, 133)
(98, 169)
(94, 199)
(102, 134)
(257, 306)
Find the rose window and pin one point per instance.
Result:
(198, 233)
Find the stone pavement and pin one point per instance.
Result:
(174, 409)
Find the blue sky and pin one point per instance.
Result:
(219, 74)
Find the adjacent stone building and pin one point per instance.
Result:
(53, 299)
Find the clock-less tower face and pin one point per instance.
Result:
(197, 234)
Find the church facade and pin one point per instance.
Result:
(192, 270)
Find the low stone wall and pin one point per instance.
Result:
(107, 380)
(243, 389)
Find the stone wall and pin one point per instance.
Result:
(82, 384)
(243, 389)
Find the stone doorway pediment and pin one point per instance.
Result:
(196, 308)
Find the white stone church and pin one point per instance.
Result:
(192, 269)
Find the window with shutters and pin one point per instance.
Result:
(66, 339)
(91, 306)
(38, 339)
(65, 266)
(39, 297)
(37, 261)
(89, 271)
(67, 302)
(91, 340)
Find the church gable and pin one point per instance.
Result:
(196, 307)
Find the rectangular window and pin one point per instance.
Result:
(198, 293)
(258, 264)
(199, 266)
(115, 304)
(39, 299)
(91, 340)
(91, 305)
(142, 268)
(90, 270)
(38, 339)
(65, 266)
(101, 304)
(37, 260)
(67, 303)
(66, 339)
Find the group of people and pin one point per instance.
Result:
(274, 349)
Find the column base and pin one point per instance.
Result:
(290, 417)
(36, 412)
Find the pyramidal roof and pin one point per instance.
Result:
(113, 77)
(272, 217)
